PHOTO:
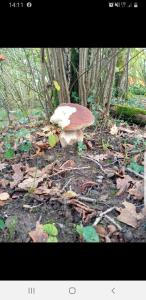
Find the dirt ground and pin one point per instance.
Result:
(90, 182)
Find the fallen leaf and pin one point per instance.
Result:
(68, 164)
(114, 130)
(70, 194)
(99, 156)
(18, 175)
(88, 144)
(128, 214)
(30, 183)
(38, 235)
(125, 129)
(137, 190)
(3, 166)
(34, 172)
(123, 184)
(4, 196)
(101, 230)
(87, 184)
(4, 182)
(112, 228)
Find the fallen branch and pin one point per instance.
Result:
(113, 222)
(135, 173)
(98, 219)
(66, 184)
(69, 169)
(95, 161)
(86, 199)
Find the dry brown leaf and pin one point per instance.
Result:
(137, 190)
(4, 196)
(114, 130)
(88, 144)
(38, 235)
(3, 166)
(125, 129)
(112, 228)
(30, 183)
(4, 182)
(86, 184)
(99, 156)
(68, 164)
(128, 214)
(34, 172)
(18, 175)
(123, 184)
(101, 230)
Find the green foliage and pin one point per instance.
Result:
(52, 140)
(88, 233)
(137, 89)
(2, 224)
(95, 108)
(52, 239)
(11, 226)
(136, 167)
(51, 229)
(75, 97)
(81, 147)
(9, 153)
(25, 146)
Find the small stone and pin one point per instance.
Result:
(128, 236)
(110, 175)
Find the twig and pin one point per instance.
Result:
(66, 184)
(135, 173)
(136, 151)
(86, 199)
(69, 169)
(95, 161)
(113, 221)
(98, 219)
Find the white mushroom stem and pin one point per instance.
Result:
(71, 137)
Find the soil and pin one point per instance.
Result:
(51, 210)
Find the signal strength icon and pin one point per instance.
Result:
(31, 291)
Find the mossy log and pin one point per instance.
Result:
(130, 114)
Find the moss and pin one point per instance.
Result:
(129, 111)
(131, 114)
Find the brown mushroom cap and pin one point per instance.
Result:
(79, 119)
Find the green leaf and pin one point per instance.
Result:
(88, 233)
(135, 167)
(52, 239)
(80, 229)
(50, 229)
(9, 153)
(2, 224)
(53, 140)
(25, 147)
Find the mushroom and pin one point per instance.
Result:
(72, 118)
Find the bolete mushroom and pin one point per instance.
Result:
(72, 118)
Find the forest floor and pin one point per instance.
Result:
(43, 184)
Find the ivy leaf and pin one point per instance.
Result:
(50, 229)
(88, 233)
(25, 147)
(136, 167)
(57, 86)
(2, 224)
(80, 229)
(52, 239)
(52, 140)
(9, 153)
